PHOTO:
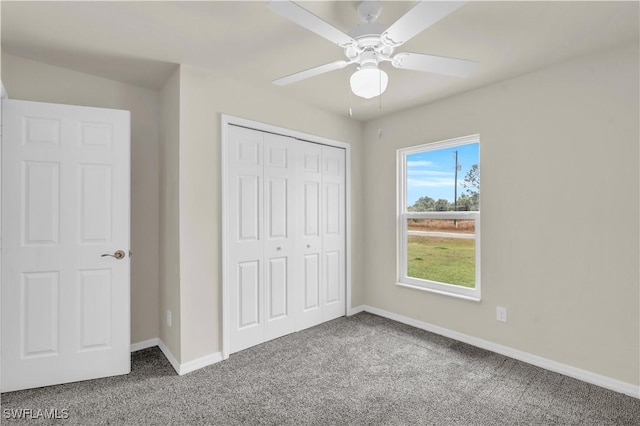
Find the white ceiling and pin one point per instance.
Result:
(140, 43)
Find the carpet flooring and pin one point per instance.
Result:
(361, 370)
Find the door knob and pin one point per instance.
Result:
(118, 254)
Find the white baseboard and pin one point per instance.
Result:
(567, 370)
(356, 310)
(144, 344)
(199, 363)
(167, 354)
(189, 366)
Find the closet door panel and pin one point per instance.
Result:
(280, 190)
(277, 203)
(332, 267)
(311, 282)
(333, 233)
(309, 253)
(311, 209)
(249, 195)
(245, 241)
(248, 288)
(278, 289)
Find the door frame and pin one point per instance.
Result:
(3, 95)
(229, 120)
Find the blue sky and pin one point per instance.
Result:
(432, 173)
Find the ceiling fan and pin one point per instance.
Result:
(371, 43)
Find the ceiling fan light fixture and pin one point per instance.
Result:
(369, 82)
(372, 42)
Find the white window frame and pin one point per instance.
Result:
(404, 215)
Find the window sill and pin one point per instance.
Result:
(443, 293)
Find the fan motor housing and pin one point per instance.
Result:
(368, 38)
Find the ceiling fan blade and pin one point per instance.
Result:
(308, 20)
(311, 72)
(418, 19)
(435, 64)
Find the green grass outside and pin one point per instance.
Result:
(446, 260)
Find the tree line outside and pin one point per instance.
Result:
(467, 201)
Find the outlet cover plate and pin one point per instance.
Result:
(501, 314)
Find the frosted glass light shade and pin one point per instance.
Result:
(369, 82)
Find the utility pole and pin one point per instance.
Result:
(455, 185)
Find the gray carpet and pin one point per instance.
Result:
(359, 370)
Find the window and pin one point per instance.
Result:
(439, 217)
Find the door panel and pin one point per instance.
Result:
(248, 294)
(311, 158)
(41, 195)
(332, 274)
(332, 208)
(280, 193)
(39, 322)
(245, 251)
(311, 209)
(65, 189)
(94, 296)
(311, 282)
(309, 251)
(249, 198)
(96, 135)
(94, 203)
(278, 288)
(41, 131)
(277, 205)
(333, 233)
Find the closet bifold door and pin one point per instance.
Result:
(333, 233)
(309, 231)
(261, 195)
(285, 209)
(246, 234)
(280, 269)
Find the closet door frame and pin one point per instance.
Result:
(229, 120)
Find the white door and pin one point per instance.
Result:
(333, 233)
(65, 244)
(309, 253)
(260, 204)
(246, 235)
(280, 195)
(285, 249)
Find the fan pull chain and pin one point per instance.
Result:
(380, 90)
(350, 95)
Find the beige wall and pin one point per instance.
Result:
(169, 214)
(33, 81)
(559, 201)
(203, 97)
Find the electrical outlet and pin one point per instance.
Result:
(501, 314)
(168, 318)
